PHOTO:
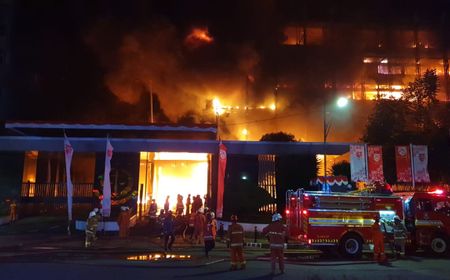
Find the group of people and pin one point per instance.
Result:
(276, 232)
(191, 206)
(378, 236)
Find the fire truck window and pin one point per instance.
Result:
(425, 205)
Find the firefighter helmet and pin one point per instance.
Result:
(276, 217)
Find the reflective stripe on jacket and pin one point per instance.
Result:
(277, 233)
(236, 235)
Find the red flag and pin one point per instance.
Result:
(375, 163)
(403, 163)
(221, 179)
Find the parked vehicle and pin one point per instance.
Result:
(344, 220)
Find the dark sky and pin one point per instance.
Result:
(85, 60)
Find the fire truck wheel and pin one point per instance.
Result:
(351, 246)
(439, 245)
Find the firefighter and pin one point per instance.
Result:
(124, 221)
(168, 230)
(236, 241)
(153, 213)
(12, 211)
(208, 235)
(276, 233)
(400, 234)
(214, 225)
(378, 241)
(91, 227)
(199, 224)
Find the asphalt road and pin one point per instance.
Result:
(84, 267)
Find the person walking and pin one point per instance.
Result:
(168, 230)
(214, 225)
(400, 235)
(276, 232)
(378, 241)
(124, 221)
(91, 228)
(236, 241)
(208, 235)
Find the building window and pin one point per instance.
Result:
(294, 35)
(383, 69)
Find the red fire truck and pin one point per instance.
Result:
(345, 219)
(427, 218)
(338, 219)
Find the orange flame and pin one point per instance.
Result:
(199, 36)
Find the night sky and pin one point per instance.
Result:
(96, 61)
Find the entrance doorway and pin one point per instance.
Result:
(165, 174)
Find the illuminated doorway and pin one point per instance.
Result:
(169, 174)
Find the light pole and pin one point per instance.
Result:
(341, 102)
(218, 110)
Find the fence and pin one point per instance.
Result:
(55, 190)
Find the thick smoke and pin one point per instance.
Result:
(183, 76)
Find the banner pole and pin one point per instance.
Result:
(412, 166)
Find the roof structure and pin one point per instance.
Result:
(151, 138)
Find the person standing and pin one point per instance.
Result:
(12, 212)
(208, 235)
(180, 205)
(166, 205)
(400, 235)
(378, 241)
(168, 230)
(91, 228)
(199, 224)
(214, 225)
(236, 241)
(124, 221)
(188, 205)
(276, 232)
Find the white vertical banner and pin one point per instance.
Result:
(420, 164)
(106, 202)
(358, 162)
(68, 153)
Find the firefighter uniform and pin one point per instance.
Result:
(399, 236)
(378, 241)
(276, 232)
(236, 240)
(91, 228)
(124, 222)
(13, 211)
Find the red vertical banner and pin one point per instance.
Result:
(375, 163)
(403, 164)
(221, 179)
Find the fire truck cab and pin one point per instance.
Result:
(427, 218)
(343, 220)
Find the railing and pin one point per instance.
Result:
(55, 190)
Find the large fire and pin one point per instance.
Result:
(198, 37)
(173, 174)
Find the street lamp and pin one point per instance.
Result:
(218, 110)
(341, 102)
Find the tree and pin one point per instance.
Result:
(416, 118)
(341, 168)
(292, 171)
(421, 97)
